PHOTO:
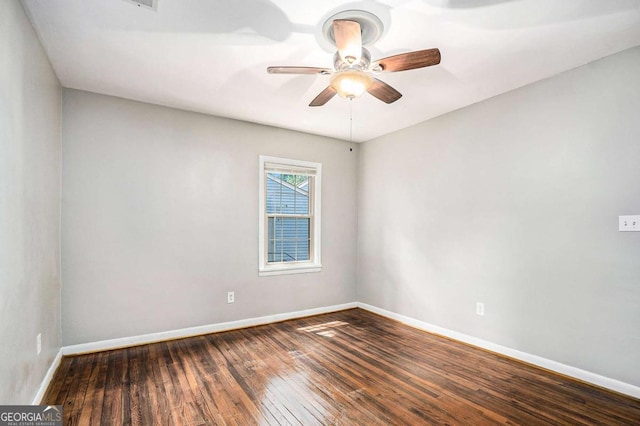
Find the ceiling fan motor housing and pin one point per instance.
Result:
(342, 65)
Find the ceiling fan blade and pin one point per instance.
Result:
(324, 97)
(411, 60)
(384, 92)
(348, 38)
(298, 70)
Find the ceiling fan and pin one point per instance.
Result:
(353, 72)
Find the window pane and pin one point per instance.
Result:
(277, 251)
(288, 228)
(302, 228)
(288, 239)
(270, 239)
(302, 238)
(271, 251)
(277, 228)
(274, 192)
(287, 194)
(302, 200)
(302, 249)
(288, 199)
(289, 251)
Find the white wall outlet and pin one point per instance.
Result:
(231, 297)
(39, 343)
(629, 223)
(480, 308)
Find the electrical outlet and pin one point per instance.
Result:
(231, 297)
(39, 343)
(480, 309)
(629, 223)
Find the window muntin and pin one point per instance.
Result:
(290, 214)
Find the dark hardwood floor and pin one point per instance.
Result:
(349, 367)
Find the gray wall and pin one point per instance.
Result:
(30, 117)
(160, 219)
(514, 202)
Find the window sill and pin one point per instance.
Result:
(289, 269)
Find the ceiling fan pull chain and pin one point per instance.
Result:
(350, 124)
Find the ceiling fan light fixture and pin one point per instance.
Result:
(351, 84)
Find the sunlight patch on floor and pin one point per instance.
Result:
(324, 329)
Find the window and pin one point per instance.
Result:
(289, 216)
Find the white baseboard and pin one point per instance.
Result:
(124, 342)
(567, 370)
(47, 378)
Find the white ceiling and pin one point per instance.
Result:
(211, 56)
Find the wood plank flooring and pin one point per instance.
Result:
(345, 368)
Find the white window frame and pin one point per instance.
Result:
(314, 264)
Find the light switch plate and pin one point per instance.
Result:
(629, 223)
